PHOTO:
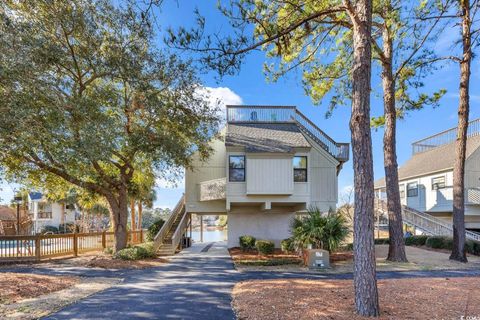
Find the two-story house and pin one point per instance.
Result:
(46, 213)
(269, 163)
(426, 179)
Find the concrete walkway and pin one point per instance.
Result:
(195, 285)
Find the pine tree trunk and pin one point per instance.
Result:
(396, 248)
(365, 282)
(119, 208)
(458, 250)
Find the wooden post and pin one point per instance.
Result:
(201, 228)
(75, 245)
(141, 235)
(104, 240)
(191, 222)
(37, 247)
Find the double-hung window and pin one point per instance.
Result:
(412, 189)
(402, 191)
(438, 183)
(300, 169)
(236, 168)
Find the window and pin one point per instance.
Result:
(438, 183)
(402, 191)
(236, 168)
(412, 189)
(300, 169)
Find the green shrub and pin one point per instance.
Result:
(154, 228)
(416, 240)
(138, 252)
(247, 242)
(473, 247)
(321, 231)
(46, 229)
(265, 247)
(437, 242)
(382, 241)
(68, 227)
(287, 245)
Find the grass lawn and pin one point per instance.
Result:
(425, 298)
(19, 286)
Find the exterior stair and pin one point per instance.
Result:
(168, 238)
(424, 221)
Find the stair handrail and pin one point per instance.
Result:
(425, 216)
(177, 236)
(160, 236)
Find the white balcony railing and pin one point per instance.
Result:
(213, 189)
(444, 137)
(472, 196)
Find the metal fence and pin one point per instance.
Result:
(37, 247)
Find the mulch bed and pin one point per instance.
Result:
(106, 261)
(18, 286)
(425, 298)
(252, 256)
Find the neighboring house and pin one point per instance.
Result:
(46, 213)
(8, 220)
(269, 163)
(426, 179)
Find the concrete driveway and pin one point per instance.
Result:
(195, 285)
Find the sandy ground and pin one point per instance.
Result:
(426, 298)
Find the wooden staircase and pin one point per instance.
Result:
(423, 221)
(168, 238)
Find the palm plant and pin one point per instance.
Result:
(321, 231)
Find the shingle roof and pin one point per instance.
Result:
(438, 159)
(265, 137)
(35, 196)
(7, 213)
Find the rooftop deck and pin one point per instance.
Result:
(289, 114)
(444, 137)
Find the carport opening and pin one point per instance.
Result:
(208, 228)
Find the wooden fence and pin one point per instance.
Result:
(37, 247)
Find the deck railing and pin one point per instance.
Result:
(260, 113)
(272, 114)
(37, 247)
(444, 137)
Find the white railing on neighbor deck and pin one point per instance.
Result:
(444, 137)
(424, 221)
(472, 195)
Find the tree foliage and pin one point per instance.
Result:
(88, 97)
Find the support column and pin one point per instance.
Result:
(191, 222)
(201, 228)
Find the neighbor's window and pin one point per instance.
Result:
(402, 191)
(236, 168)
(438, 183)
(300, 169)
(412, 189)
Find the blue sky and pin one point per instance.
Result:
(250, 87)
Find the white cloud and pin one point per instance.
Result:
(222, 96)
